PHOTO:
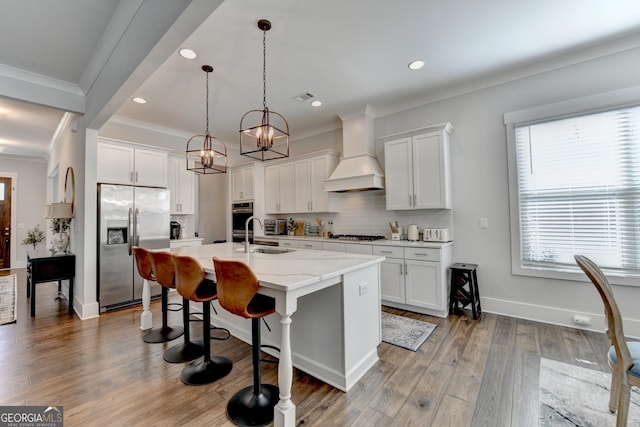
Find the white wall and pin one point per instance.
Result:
(480, 187)
(30, 200)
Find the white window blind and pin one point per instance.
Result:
(579, 191)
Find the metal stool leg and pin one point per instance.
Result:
(188, 350)
(164, 333)
(210, 368)
(253, 405)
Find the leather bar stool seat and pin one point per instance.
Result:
(237, 293)
(192, 284)
(165, 275)
(144, 262)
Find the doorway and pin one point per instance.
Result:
(5, 221)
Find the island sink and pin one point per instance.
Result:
(270, 250)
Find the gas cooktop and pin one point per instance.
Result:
(356, 237)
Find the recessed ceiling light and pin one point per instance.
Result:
(188, 53)
(139, 100)
(316, 103)
(416, 65)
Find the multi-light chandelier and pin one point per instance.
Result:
(264, 134)
(206, 154)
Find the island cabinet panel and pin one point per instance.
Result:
(417, 169)
(181, 186)
(415, 278)
(120, 163)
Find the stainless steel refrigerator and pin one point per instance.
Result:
(128, 216)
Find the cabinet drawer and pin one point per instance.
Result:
(426, 254)
(388, 251)
(310, 244)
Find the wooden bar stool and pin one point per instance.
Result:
(464, 275)
(144, 262)
(165, 275)
(237, 293)
(192, 285)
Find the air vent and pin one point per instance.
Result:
(304, 96)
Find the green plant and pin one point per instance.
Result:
(60, 224)
(34, 236)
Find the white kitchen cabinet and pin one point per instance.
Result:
(415, 278)
(181, 186)
(316, 245)
(289, 243)
(297, 185)
(333, 246)
(310, 175)
(131, 165)
(417, 169)
(242, 185)
(279, 193)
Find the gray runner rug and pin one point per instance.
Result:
(405, 332)
(8, 295)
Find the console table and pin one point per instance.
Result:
(50, 268)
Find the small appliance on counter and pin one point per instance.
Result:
(275, 227)
(176, 230)
(412, 232)
(436, 235)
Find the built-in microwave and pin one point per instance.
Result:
(275, 227)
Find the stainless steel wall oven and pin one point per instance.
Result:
(240, 212)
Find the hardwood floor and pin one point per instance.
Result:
(468, 373)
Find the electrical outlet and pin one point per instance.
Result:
(484, 223)
(581, 320)
(362, 288)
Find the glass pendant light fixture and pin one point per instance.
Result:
(264, 134)
(206, 154)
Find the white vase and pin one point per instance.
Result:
(60, 242)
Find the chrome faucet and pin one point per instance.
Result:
(246, 232)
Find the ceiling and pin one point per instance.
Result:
(347, 54)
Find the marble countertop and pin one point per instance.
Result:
(284, 271)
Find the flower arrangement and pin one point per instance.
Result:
(59, 225)
(291, 225)
(34, 236)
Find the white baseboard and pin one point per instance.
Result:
(554, 316)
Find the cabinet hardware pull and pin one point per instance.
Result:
(421, 254)
(401, 269)
(136, 176)
(130, 176)
(386, 252)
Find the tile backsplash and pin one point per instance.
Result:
(365, 213)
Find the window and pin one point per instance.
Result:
(575, 189)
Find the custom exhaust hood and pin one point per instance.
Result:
(358, 169)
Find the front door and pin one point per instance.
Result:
(5, 222)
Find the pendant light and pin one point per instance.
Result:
(264, 134)
(206, 154)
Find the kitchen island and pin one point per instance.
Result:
(329, 310)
